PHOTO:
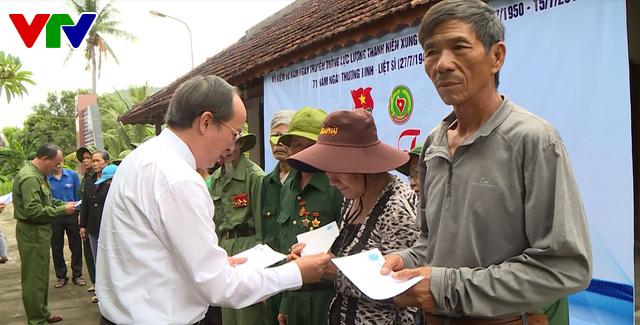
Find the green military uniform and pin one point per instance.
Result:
(237, 220)
(271, 187)
(302, 210)
(34, 208)
(88, 255)
(207, 182)
(557, 311)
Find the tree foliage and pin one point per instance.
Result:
(120, 139)
(11, 78)
(95, 46)
(15, 154)
(52, 122)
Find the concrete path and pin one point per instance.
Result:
(71, 301)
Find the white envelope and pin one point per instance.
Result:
(319, 240)
(363, 269)
(259, 257)
(7, 198)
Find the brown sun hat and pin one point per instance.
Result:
(348, 143)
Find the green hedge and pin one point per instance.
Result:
(6, 187)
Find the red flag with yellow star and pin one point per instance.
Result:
(362, 98)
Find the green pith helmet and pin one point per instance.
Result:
(90, 149)
(306, 123)
(415, 152)
(249, 139)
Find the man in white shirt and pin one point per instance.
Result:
(158, 258)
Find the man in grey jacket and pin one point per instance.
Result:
(503, 227)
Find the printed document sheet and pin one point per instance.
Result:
(259, 257)
(363, 269)
(319, 240)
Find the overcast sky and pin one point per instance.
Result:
(160, 55)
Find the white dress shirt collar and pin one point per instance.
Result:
(177, 144)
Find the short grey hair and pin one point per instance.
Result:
(487, 26)
(103, 153)
(198, 95)
(282, 117)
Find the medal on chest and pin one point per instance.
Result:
(302, 209)
(316, 222)
(240, 200)
(306, 220)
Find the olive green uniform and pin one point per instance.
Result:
(271, 187)
(302, 210)
(557, 311)
(88, 255)
(34, 208)
(238, 225)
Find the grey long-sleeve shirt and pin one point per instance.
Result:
(503, 226)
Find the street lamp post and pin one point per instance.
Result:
(155, 13)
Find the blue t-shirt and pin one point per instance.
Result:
(66, 188)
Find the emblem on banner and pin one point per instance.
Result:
(400, 104)
(362, 98)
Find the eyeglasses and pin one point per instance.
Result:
(235, 133)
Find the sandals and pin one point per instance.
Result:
(59, 284)
(54, 318)
(94, 299)
(91, 289)
(79, 281)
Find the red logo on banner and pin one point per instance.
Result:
(415, 133)
(362, 98)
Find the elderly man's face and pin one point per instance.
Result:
(86, 161)
(280, 151)
(299, 143)
(234, 156)
(51, 164)
(219, 140)
(458, 65)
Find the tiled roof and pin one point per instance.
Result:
(304, 29)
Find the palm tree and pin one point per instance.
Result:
(11, 79)
(95, 46)
(117, 137)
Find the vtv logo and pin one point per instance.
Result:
(75, 32)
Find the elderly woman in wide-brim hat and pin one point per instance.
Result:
(379, 210)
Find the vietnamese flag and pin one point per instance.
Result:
(362, 98)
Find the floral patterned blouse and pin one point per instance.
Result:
(390, 226)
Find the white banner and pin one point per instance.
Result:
(385, 76)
